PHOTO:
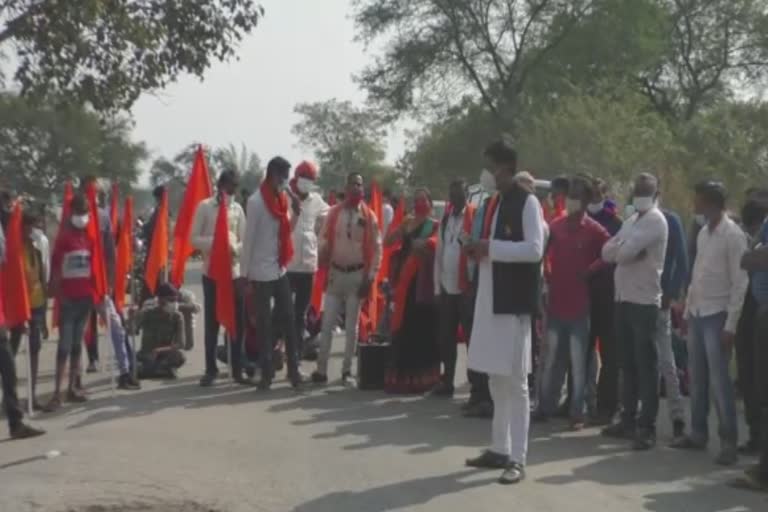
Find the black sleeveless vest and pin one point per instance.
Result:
(516, 286)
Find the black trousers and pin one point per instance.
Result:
(636, 327)
(603, 327)
(301, 290)
(212, 328)
(263, 293)
(13, 410)
(745, 360)
(454, 312)
(93, 348)
(761, 382)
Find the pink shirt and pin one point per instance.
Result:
(574, 254)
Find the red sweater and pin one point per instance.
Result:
(71, 264)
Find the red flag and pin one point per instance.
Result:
(198, 189)
(15, 296)
(98, 264)
(65, 206)
(113, 207)
(220, 270)
(386, 257)
(157, 259)
(377, 207)
(124, 260)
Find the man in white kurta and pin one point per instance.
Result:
(500, 344)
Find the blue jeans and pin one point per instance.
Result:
(565, 339)
(708, 362)
(117, 331)
(72, 318)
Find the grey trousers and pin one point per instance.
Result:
(342, 290)
(667, 366)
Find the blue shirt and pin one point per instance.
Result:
(675, 275)
(760, 279)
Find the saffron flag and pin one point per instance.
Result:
(124, 260)
(220, 270)
(374, 300)
(198, 189)
(113, 209)
(65, 207)
(98, 264)
(157, 259)
(389, 250)
(14, 290)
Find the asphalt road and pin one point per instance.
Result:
(175, 447)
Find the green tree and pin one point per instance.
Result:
(174, 173)
(107, 52)
(41, 147)
(245, 162)
(437, 52)
(343, 137)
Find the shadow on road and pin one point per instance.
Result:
(398, 496)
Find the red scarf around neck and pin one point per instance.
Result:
(277, 204)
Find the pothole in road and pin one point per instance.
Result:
(146, 507)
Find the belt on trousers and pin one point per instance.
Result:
(348, 269)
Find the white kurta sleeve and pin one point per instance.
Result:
(531, 248)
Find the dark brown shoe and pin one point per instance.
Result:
(488, 460)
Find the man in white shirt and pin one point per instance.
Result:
(713, 308)
(638, 250)
(203, 228)
(303, 266)
(452, 283)
(267, 251)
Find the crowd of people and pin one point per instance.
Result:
(567, 307)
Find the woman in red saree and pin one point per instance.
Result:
(415, 364)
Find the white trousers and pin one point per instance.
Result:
(342, 291)
(511, 415)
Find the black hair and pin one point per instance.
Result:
(386, 194)
(158, 192)
(87, 180)
(228, 176)
(29, 218)
(278, 165)
(78, 202)
(501, 152)
(561, 184)
(354, 174)
(460, 182)
(713, 192)
(585, 182)
(753, 213)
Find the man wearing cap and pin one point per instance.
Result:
(302, 268)
(162, 331)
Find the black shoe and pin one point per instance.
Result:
(750, 449)
(24, 431)
(489, 460)
(207, 380)
(297, 381)
(127, 382)
(619, 431)
(479, 410)
(644, 440)
(319, 378)
(441, 390)
(678, 429)
(601, 419)
(264, 384)
(514, 474)
(687, 443)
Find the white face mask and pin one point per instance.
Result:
(595, 208)
(282, 186)
(572, 206)
(80, 221)
(629, 211)
(304, 185)
(700, 219)
(643, 204)
(488, 181)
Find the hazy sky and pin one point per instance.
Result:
(302, 50)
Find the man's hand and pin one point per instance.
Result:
(478, 250)
(728, 338)
(365, 288)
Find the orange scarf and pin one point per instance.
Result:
(368, 236)
(277, 204)
(490, 211)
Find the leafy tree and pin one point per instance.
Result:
(41, 147)
(438, 51)
(245, 162)
(344, 139)
(174, 173)
(107, 52)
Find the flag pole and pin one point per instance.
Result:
(228, 339)
(30, 407)
(132, 327)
